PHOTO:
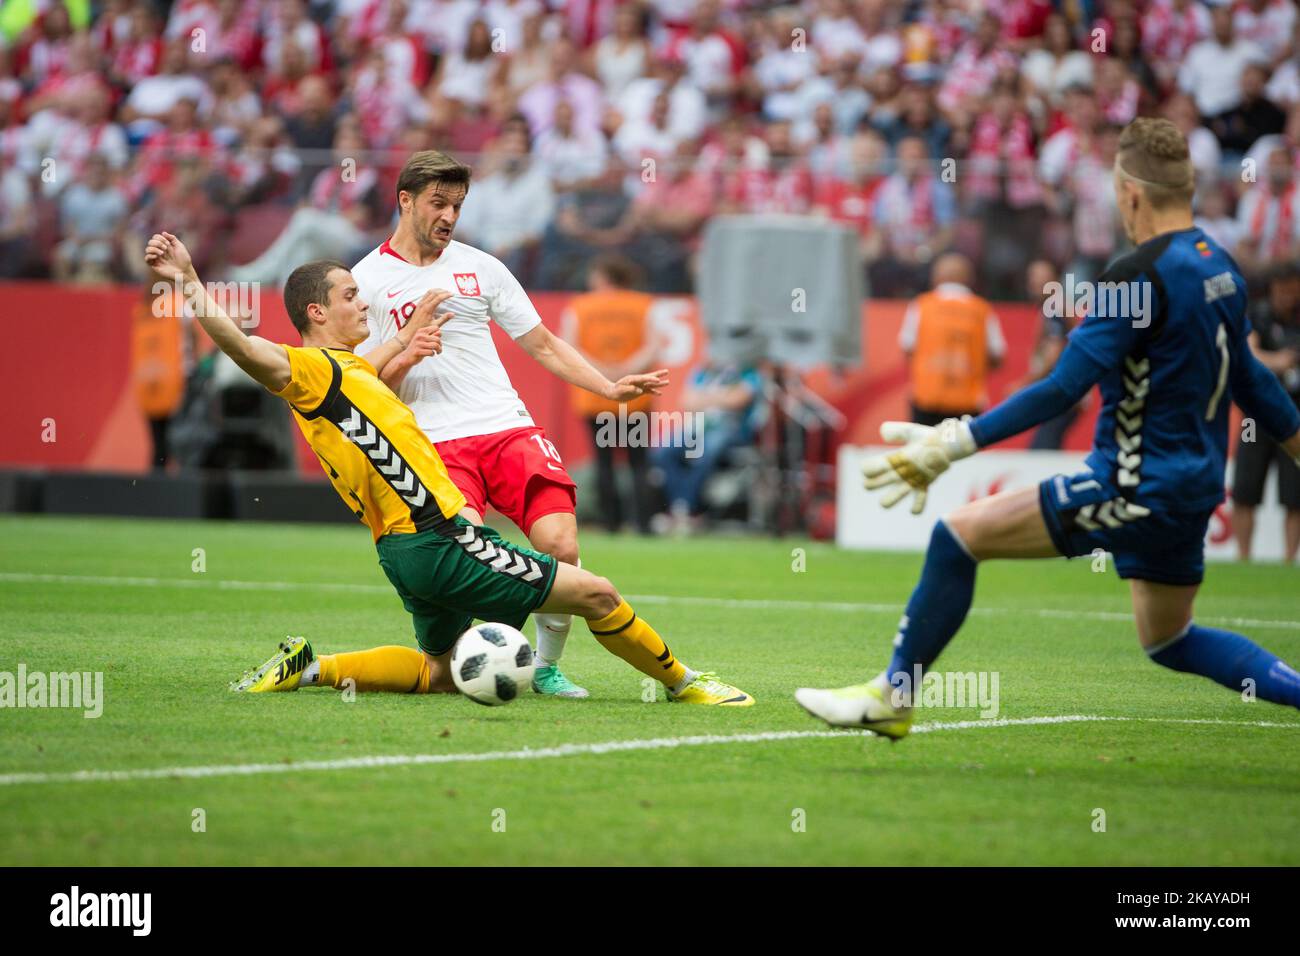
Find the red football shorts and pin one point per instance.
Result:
(518, 472)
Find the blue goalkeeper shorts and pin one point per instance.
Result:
(1084, 513)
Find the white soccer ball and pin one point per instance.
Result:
(492, 664)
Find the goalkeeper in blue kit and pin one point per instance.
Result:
(1167, 343)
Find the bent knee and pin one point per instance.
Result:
(964, 524)
(562, 547)
(601, 597)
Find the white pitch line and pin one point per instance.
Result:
(570, 750)
(745, 604)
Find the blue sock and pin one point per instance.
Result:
(937, 607)
(1231, 660)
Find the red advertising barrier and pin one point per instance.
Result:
(77, 373)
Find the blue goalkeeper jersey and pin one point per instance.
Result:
(1165, 339)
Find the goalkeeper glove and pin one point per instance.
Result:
(926, 454)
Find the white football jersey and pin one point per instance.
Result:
(465, 390)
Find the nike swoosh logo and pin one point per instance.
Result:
(398, 292)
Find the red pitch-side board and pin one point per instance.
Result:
(67, 360)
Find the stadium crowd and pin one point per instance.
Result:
(982, 126)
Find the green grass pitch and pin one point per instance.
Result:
(1201, 777)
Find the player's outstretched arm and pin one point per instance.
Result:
(265, 361)
(564, 361)
(1261, 396)
(927, 452)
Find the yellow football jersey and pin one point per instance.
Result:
(382, 465)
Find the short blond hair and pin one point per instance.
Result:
(1154, 154)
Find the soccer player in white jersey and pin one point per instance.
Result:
(463, 400)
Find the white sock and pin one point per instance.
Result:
(310, 676)
(689, 676)
(552, 632)
(890, 692)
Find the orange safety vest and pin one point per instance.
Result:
(950, 360)
(612, 327)
(157, 361)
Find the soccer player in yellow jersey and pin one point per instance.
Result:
(446, 570)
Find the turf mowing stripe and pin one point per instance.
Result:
(572, 750)
(752, 604)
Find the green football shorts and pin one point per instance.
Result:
(457, 571)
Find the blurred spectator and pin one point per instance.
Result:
(151, 98)
(586, 223)
(977, 64)
(1058, 65)
(952, 338)
(1284, 85)
(563, 82)
(1170, 29)
(1207, 157)
(182, 138)
(622, 57)
(1275, 341)
(527, 64)
(687, 107)
(507, 209)
(651, 137)
(1002, 188)
(17, 219)
(313, 127)
(1063, 146)
(570, 158)
(1253, 117)
(1090, 195)
(1118, 93)
(337, 222)
(916, 212)
(726, 402)
(1213, 214)
(267, 167)
(841, 89)
(1053, 331)
(1126, 48)
(1212, 69)
(782, 68)
(915, 116)
(466, 75)
(713, 57)
(1269, 217)
(782, 185)
(661, 228)
(610, 326)
(236, 107)
(1266, 23)
(850, 198)
(93, 215)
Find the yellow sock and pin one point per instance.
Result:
(624, 634)
(402, 670)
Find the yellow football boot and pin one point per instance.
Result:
(282, 672)
(707, 689)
